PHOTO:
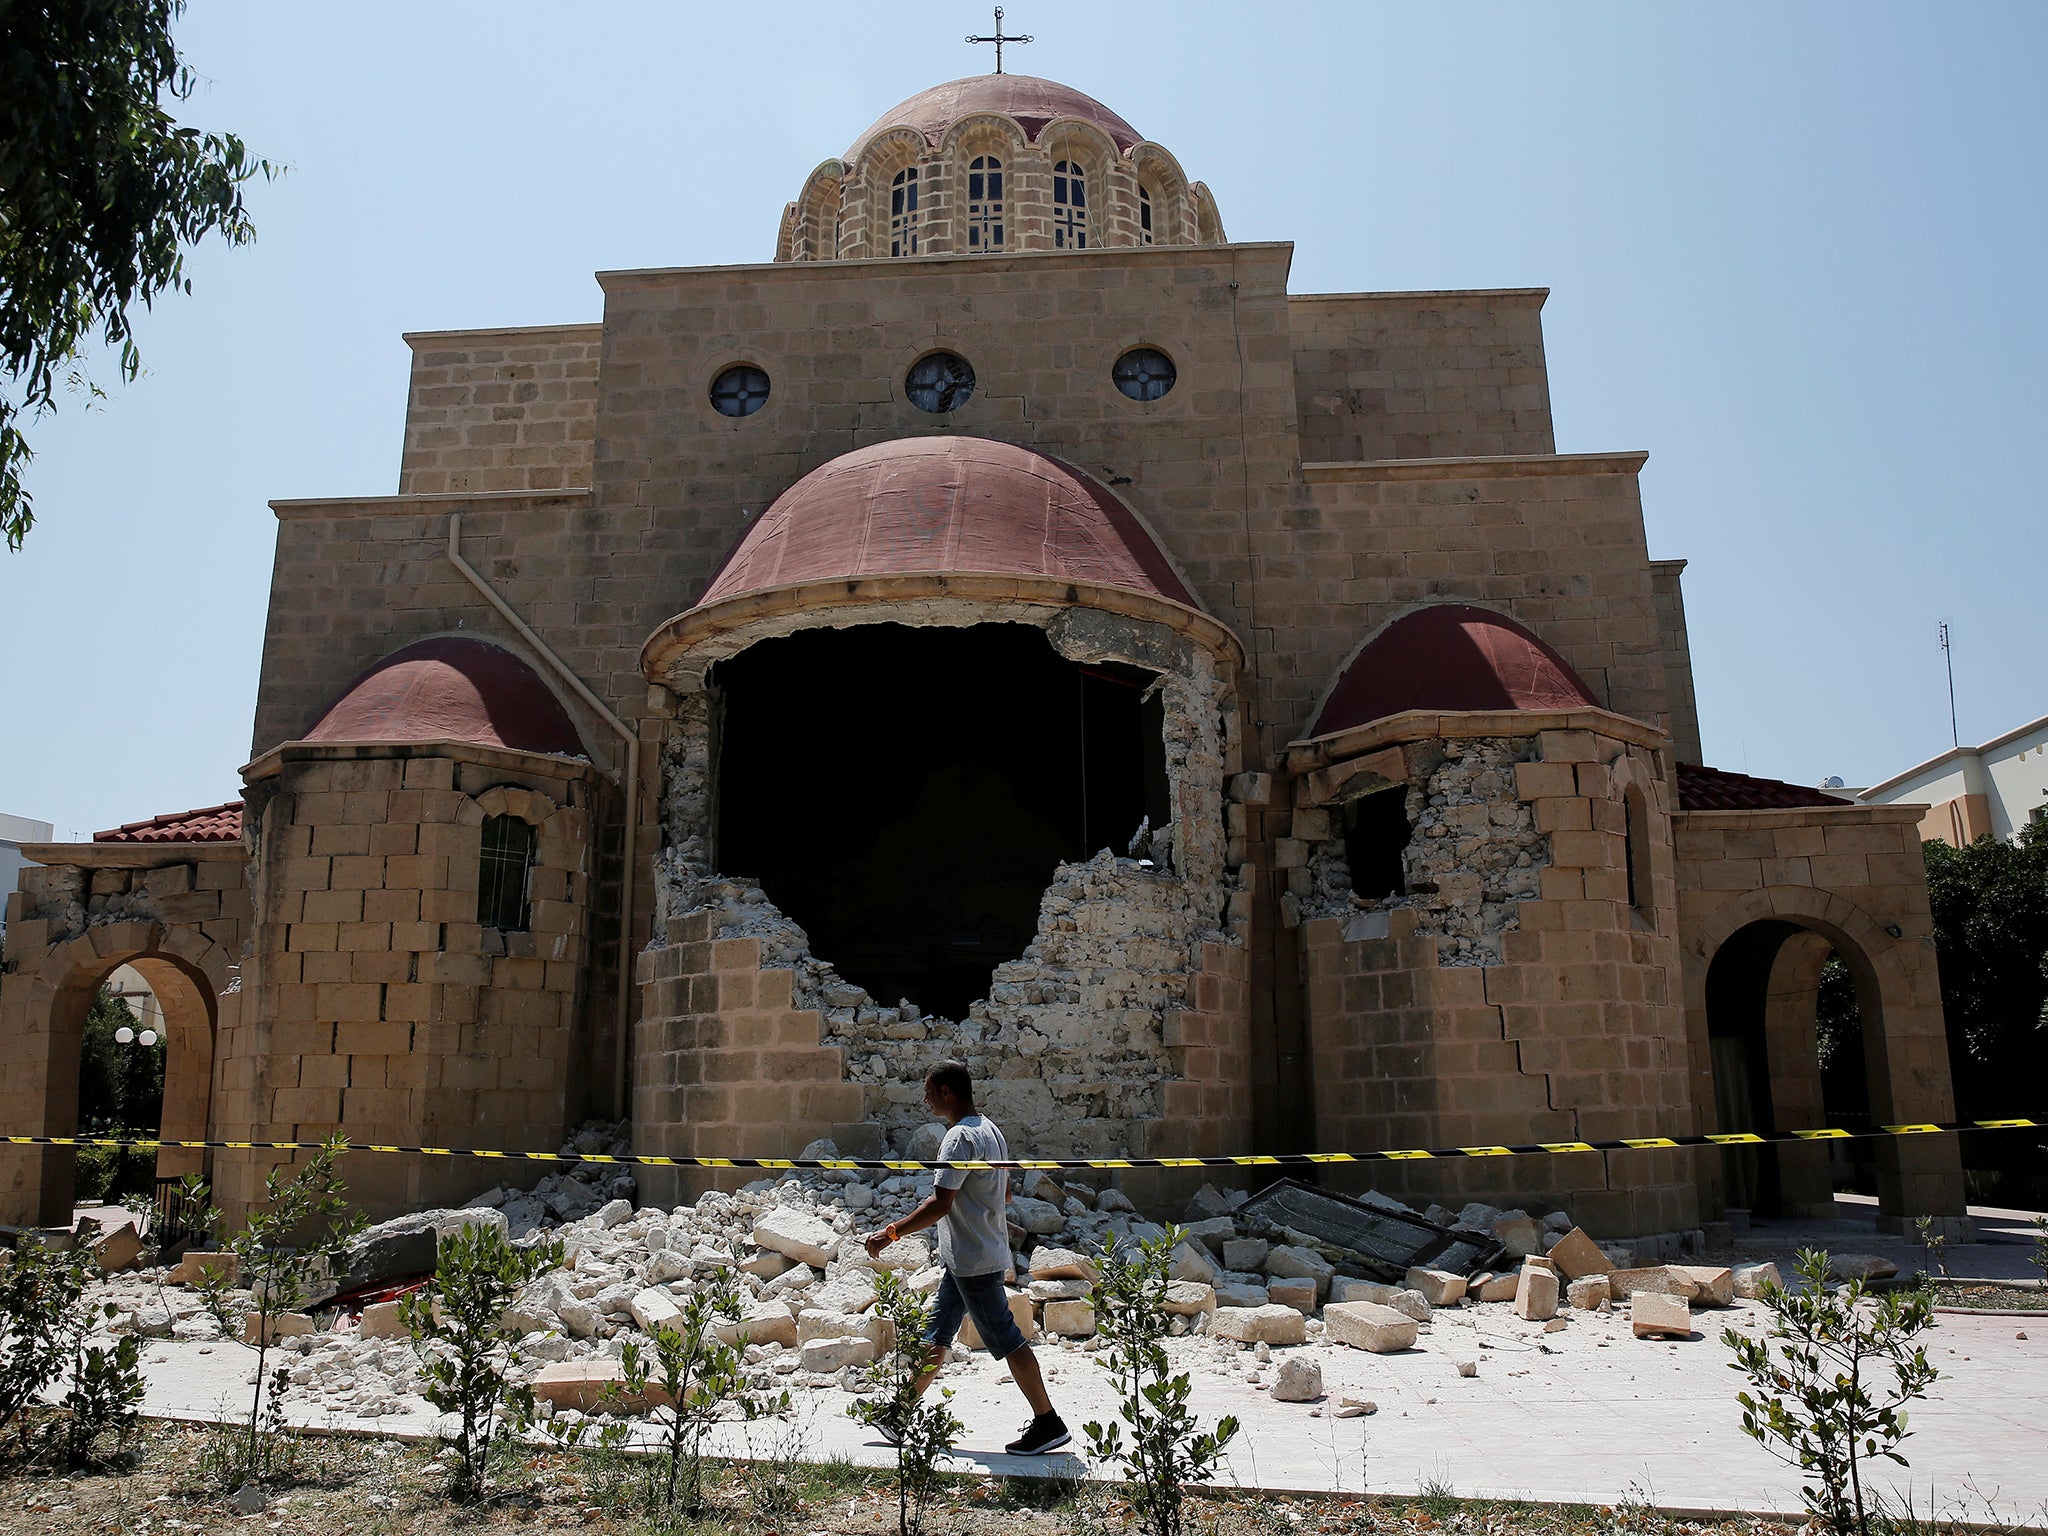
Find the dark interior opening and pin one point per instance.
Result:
(1376, 832)
(905, 794)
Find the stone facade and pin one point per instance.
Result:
(1322, 468)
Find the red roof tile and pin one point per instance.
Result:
(1716, 789)
(1455, 657)
(1031, 101)
(209, 824)
(945, 504)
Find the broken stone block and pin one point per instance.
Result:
(1577, 1256)
(763, 1322)
(200, 1264)
(765, 1265)
(1299, 1294)
(1716, 1284)
(1860, 1266)
(119, 1249)
(1655, 1315)
(1662, 1279)
(1022, 1312)
(1242, 1253)
(1299, 1380)
(1290, 1262)
(826, 1356)
(1070, 1319)
(613, 1213)
(1536, 1294)
(1213, 1233)
(1113, 1200)
(1191, 1262)
(1065, 1290)
(283, 1325)
(1589, 1294)
(1268, 1324)
(1478, 1216)
(1468, 1368)
(909, 1253)
(1354, 1408)
(1061, 1264)
(383, 1320)
(1239, 1293)
(1205, 1203)
(1750, 1280)
(1189, 1298)
(587, 1384)
(853, 1291)
(798, 1235)
(1520, 1235)
(654, 1308)
(1041, 1218)
(820, 1323)
(1439, 1287)
(1369, 1326)
(1347, 1288)
(1493, 1287)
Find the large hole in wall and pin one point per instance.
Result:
(906, 794)
(1376, 833)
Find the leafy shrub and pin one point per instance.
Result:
(1166, 1449)
(923, 1432)
(466, 1352)
(42, 1299)
(1822, 1402)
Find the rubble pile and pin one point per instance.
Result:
(1242, 1287)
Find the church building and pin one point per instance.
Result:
(1009, 625)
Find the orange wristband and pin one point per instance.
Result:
(890, 1232)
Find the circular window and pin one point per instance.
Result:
(1144, 373)
(941, 382)
(739, 391)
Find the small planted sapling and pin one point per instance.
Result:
(467, 1353)
(1160, 1444)
(1832, 1377)
(922, 1432)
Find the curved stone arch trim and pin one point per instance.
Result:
(1857, 936)
(529, 805)
(887, 153)
(1208, 221)
(814, 228)
(1155, 165)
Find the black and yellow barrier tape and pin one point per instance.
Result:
(914, 1165)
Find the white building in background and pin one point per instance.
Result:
(14, 831)
(1972, 792)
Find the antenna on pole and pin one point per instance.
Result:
(1949, 659)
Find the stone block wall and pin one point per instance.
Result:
(1675, 641)
(1420, 375)
(1565, 1025)
(178, 913)
(503, 410)
(1555, 543)
(386, 1012)
(1854, 875)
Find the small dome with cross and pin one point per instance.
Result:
(996, 165)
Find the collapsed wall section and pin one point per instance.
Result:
(1118, 1029)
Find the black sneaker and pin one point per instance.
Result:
(888, 1434)
(1047, 1432)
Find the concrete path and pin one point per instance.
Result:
(1589, 1414)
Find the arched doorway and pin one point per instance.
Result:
(45, 1022)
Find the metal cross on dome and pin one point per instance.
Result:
(999, 39)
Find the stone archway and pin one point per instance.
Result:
(42, 1017)
(1782, 936)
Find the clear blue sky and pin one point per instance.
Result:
(1795, 251)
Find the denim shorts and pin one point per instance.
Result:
(981, 1297)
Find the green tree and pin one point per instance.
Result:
(1990, 907)
(101, 195)
(120, 1087)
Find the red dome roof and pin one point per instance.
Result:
(1031, 101)
(1451, 657)
(951, 505)
(452, 690)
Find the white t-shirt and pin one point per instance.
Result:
(974, 1239)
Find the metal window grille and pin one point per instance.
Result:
(1069, 207)
(985, 204)
(506, 861)
(903, 213)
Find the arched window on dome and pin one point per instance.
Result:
(1069, 207)
(1144, 214)
(903, 212)
(985, 204)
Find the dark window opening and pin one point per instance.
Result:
(1144, 214)
(903, 213)
(1636, 848)
(1376, 834)
(1069, 207)
(905, 794)
(985, 204)
(506, 861)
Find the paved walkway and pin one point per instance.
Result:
(1588, 1414)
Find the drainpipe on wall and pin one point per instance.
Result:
(630, 830)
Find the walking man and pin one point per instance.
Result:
(971, 1210)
